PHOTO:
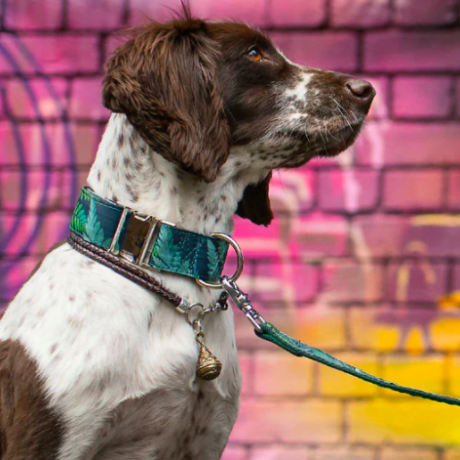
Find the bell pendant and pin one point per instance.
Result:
(208, 366)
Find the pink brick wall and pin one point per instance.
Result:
(363, 258)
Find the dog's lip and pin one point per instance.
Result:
(329, 150)
(337, 140)
(337, 146)
(349, 128)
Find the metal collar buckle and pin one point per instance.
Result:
(150, 238)
(147, 247)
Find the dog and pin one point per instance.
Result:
(93, 366)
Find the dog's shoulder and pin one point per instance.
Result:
(75, 315)
(88, 339)
(29, 428)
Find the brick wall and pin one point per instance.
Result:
(364, 256)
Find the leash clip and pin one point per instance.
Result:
(242, 302)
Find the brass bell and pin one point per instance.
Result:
(208, 367)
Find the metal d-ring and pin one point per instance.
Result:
(199, 316)
(240, 260)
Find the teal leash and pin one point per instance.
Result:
(271, 333)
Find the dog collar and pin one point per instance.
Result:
(147, 241)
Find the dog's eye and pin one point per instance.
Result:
(255, 54)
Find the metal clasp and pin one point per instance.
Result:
(150, 238)
(241, 300)
(147, 246)
(116, 236)
(184, 307)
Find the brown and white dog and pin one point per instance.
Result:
(92, 366)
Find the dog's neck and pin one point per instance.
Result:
(128, 171)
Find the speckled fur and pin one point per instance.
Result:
(114, 364)
(117, 362)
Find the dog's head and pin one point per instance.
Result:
(198, 92)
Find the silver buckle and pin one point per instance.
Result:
(116, 235)
(149, 241)
(152, 235)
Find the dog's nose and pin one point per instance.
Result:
(361, 90)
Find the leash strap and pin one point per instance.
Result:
(270, 333)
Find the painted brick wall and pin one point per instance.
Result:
(364, 256)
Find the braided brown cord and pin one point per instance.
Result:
(122, 267)
(129, 271)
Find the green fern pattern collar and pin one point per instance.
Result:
(146, 241)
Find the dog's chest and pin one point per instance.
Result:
(119, 364)
(170, 425)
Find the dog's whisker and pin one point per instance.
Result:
(342, 113)
(306, 133)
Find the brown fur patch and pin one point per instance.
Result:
(29, 429)
(165, 81)
(255, 204)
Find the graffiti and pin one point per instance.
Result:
(355, 262)
(16, 235)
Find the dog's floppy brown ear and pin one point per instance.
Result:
(255, 204)
(165, 81)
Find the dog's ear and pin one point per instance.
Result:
(255, 204)
(165, 81)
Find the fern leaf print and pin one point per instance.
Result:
(213, 260)
(184, 267)
(165, 249)
(84, 194)
(93, 230)
(79, 219)
(222, 247)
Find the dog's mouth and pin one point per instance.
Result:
(332, 143)
(326, 140)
